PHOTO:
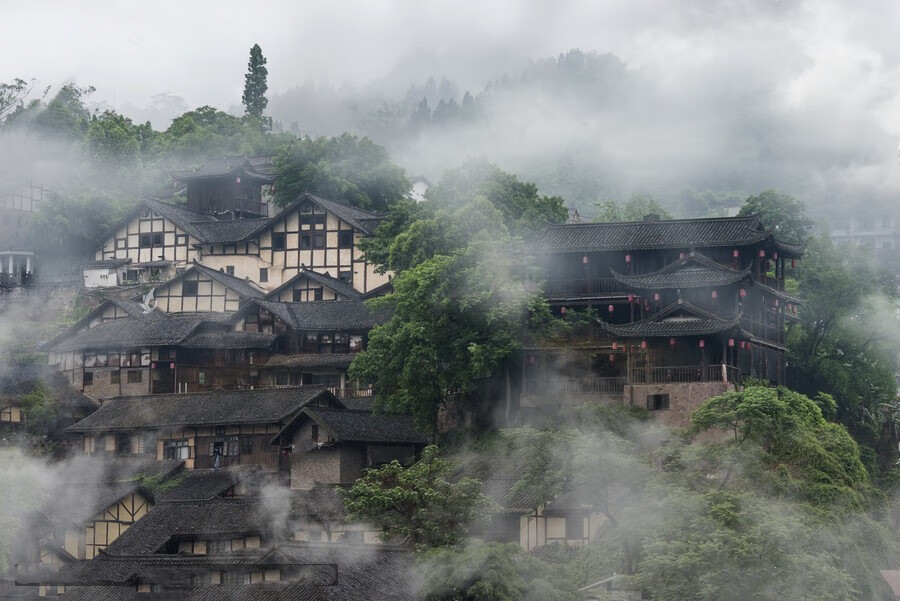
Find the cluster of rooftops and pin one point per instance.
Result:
(222, 385)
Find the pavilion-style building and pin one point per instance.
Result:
(661, 313)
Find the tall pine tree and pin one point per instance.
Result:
(255, 86)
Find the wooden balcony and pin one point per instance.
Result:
(683, 374)
(765, 331)
(589, 386)
(583, 288)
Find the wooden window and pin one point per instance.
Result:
(346, 276)
(657, 402)
(319, 221)
(88, 378)
(246, 445)
(315, 432)
(278, 241)
(574, 527)
(281, 378)
(345, 239)
(201, 378)
(317, 294)
(150, 240)
(225, 446)
(123, 444)
(263, 274)
(230, 249)
(305, 241)
(297, 296)
(115, 376)
(306, 220)
(189, 288)
(318, 240)
(135, 376)
(229, 269)
(176, 449)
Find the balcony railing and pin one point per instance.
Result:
(574, 386)
(582, 287)
(583, 336)
(682, 374)
(770, 332)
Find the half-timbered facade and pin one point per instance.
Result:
(662, 314)
(202, 289)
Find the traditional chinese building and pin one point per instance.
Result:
(660, 313)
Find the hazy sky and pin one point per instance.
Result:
(823, 74)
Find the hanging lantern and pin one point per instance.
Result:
(702, 343)
(237, 181)
(171, 366)
(532, 359)
(680, 255)
(671, 342)
(793, 263)
(789, 307)
(584, 259)
(735, 253)
(611, 308)
(612, 358)
(776, 302)
(731, 342)
(748, 345)
(762, 253)
(643, 344)
(562, 310)
(743, 293)
(615, 346)
(646, 306)
(628, 258)
(656, 296)
(795, 309)
(630, 298)
(715, 294)
(775, 256)
(742, 345)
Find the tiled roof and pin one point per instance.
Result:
(17, 380)
(208, 518)
(83, 501)
(220, 232)
(272, 591)
(362, 220)
(199, 408)
(110, 264)
(182, 217)
(359, 403)
(348, 314)
(363, 426)
(245, 288)
(500, 475)
(228, 340)
(128, 333)
(383, 290)
(694, 270)
(332, 283)
(218, 167)
(206, 484)
(678, 319)
(640, 235)
(336, 360)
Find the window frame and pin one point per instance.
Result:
(195, 288)
(279, 240)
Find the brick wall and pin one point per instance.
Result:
(683, 398)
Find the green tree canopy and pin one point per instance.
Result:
(347, 169)
(637, 208)
(783, 214)
(255, 86)
(419, 503)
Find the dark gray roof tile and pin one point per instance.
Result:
(367, 427)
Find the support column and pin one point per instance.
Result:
(11, 267)
(28, 264)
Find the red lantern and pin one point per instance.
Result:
(671, 342)
(762, 253)
(612, 358)
(646, 306)
(611, 308)
(743, 293)
(776, 302)
(715, 294)
(742, 345)
(795, 309)
(681, 255)
(656, 296)
(775, 256)
(630, 298)
(615, 346)
(628, 258)
(153, 366)
(171, 366)
(735, 253)
(731, 342)
(748, 345)
(562, 310)
(643, 344)
(702, 343)
(237, 180)
(793, 263)
(584, 259)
